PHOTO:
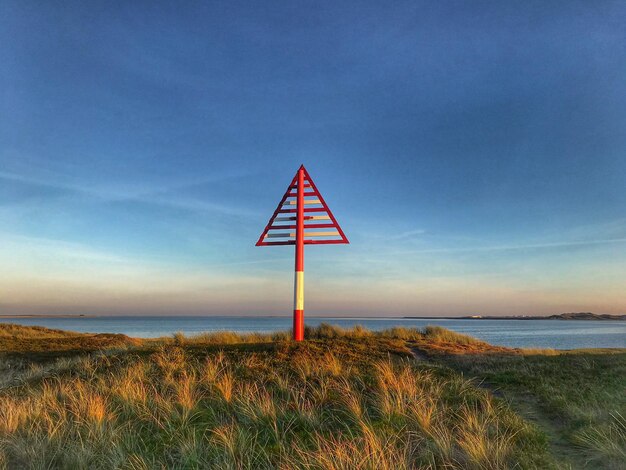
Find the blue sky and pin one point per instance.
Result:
(474, 154)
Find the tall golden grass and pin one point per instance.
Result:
(342, 403)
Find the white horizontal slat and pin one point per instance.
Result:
(320, 234)
(280, 235)
(306, 217)
(306, 201)
(306, 234)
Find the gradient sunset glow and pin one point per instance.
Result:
(474, 156)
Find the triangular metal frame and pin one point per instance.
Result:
(310, 190)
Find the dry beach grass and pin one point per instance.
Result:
(344, 399)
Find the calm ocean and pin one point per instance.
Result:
(557, 334)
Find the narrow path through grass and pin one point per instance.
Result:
(578, 398)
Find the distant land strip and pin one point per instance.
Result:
(562, 316)
(45, 315)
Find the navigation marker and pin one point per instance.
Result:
(300, 226)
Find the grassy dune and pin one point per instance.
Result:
(38, 342)
(578, 397)
(343, 399)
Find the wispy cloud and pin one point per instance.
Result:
(521, 246)
(17, 246)
(245, 263)
(405, 235)
(164, 197)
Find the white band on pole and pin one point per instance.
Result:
(298, 294)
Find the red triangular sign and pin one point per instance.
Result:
(281, 229)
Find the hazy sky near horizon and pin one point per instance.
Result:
(473, 152)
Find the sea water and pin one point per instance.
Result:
(557, 334)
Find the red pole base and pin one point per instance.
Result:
(298, 325)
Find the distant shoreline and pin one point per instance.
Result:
(585, 316)
(66, 315)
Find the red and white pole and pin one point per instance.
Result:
(298, 294)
